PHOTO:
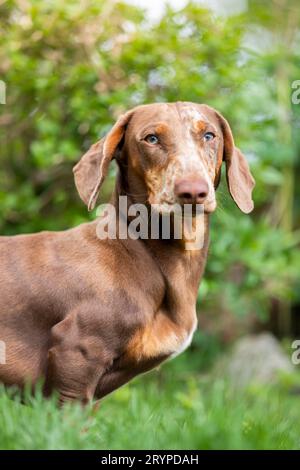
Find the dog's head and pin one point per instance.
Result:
(168, 153)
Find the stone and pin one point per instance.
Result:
(256, 359)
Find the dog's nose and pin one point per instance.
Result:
(191, 191)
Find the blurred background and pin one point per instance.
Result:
(70, 69)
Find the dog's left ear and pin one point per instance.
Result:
(239, 179)
(90, 171)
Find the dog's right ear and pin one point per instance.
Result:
(239, 178)
(90, 171)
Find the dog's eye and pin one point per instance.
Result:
(208, 136)
(151, 139)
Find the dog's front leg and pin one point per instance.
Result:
(77, 359)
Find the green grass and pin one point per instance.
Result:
(173, 408)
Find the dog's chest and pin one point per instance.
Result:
(185, 342)
(161, 338)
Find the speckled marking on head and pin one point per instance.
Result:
(188, 160)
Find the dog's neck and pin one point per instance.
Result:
(181, 262)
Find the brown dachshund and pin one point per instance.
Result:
(86, 314)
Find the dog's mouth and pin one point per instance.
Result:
(210, 206)
(173, 208)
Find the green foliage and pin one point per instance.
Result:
(171, 410)
(72, 67)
